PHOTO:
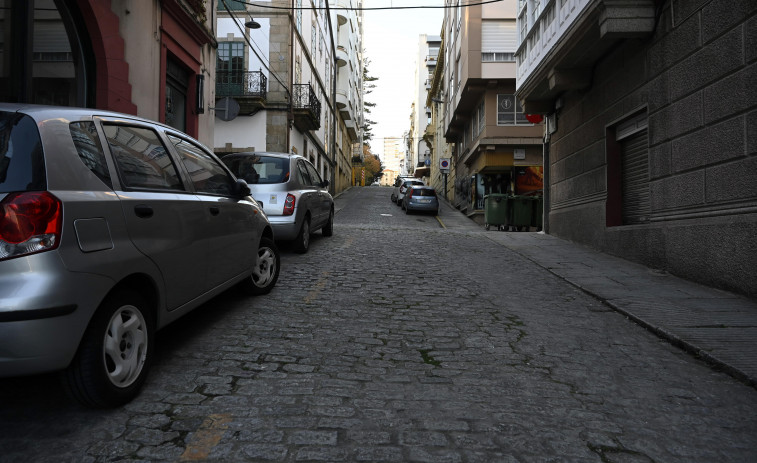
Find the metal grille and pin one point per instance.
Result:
(635, 178)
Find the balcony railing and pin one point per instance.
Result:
(240, 84)
(306, 107)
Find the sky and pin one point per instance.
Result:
(390, 42)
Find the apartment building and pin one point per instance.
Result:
(393, 160)
(420, 150)
(497, 148)
(651, 116)
(150, 59)
(349, 88)
(294, 71)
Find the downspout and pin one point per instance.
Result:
(334, 164)
(290, 80)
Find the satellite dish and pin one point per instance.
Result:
(226, 108)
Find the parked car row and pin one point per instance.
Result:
(113, 226)
(411, 194)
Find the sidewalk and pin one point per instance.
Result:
(718, 326)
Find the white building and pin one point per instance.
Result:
(428, 49)
(283, 63)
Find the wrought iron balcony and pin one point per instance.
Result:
(248, 88)
(306, 107)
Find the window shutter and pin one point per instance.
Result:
(635, 178)
(498, 36)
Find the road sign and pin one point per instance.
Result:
(444, 164)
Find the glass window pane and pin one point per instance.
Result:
(90, 150)
(141, 158)
(208, 176)
(22, 165)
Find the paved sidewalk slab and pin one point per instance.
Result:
(719, 326)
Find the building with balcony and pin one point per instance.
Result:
(420, 151)
(497, 148)
(651, 116)
(154, 59)
(349, 84)
(279, 63)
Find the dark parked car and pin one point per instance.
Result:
(111, 227)
(420, 198)
(291, 191)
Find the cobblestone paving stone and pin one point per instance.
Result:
(400, 341)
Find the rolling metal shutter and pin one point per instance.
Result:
(499, 36)
(635, 178)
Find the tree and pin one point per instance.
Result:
(368, 86)
(372, 165)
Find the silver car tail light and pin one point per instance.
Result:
(30, 222)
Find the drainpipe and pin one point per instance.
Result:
(334, 164)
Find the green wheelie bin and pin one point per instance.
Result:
(497, 211)
(523, 211)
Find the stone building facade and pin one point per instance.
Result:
(651, 110)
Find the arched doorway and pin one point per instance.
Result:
(45, 54)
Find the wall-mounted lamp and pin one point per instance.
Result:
(200, 93)
(252, 24)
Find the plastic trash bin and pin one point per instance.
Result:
(496, 211)
(538, 213)
(523, 211)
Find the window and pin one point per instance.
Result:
(22, 163)
(141, 158)
(315, 177)
(509, 111)
(298, 15)
(233, 5)
(302, 174)
(498, 40)
(44, 58)
(177, 87)
(206, 173)
(90, 151)
(313, 38)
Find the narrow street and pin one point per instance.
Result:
(402, 338)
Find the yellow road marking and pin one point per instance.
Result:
(206, 438)
(440, 221)
(319, 285)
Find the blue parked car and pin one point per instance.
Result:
(420, 198)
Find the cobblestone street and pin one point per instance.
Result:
(402, 338)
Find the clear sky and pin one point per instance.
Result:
(390, 42)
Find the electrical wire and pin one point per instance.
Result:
(415, 7)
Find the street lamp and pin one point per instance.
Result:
(252, 24)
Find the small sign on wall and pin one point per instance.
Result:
(519, 153)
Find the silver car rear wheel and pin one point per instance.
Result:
(266, 273)
(302, 242)
(115, 353)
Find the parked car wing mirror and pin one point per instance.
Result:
(242, 188)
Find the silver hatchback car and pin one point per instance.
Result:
(111, 227)
(291, 191)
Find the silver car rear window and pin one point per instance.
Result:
(423, 192)
(22, 162)
(261, 170)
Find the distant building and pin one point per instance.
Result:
(651, 116)
(496, 147)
